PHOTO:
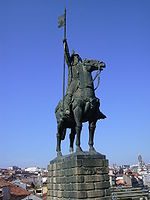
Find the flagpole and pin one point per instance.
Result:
(64, 58)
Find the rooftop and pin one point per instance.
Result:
(14, 189)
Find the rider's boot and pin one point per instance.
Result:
(67, 104)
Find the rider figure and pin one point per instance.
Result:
(79, 79)
(73, 62)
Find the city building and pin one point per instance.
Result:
(10, 191)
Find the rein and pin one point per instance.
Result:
(97, 76)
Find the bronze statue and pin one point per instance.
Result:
(80, 102)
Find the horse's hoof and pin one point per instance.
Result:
(92, 150)
(71, 150)
(59, 154)
(78, 149)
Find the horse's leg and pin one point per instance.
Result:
(72, 136)
(78, 119)
(58, 148)
(92, 126)
(59, 132)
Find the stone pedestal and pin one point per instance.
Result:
(78, 176)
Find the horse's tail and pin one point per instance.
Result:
(59, 112)
(102, 116)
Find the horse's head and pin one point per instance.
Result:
(102, 65)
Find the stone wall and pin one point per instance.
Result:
(78, 176)
(126, 192)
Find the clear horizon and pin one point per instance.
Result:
(31, 67)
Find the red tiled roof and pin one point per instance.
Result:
(120, 182)
(18, 191)
(4, 183)
(14, 190)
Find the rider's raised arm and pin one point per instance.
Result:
(92, 65)
(67, 54)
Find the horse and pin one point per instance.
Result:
(84, 107)
(81, 111)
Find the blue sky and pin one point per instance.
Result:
(31, 67)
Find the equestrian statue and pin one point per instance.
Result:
(79, 104)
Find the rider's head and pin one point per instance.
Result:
(75, 58)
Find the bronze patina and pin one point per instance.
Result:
(79, 104)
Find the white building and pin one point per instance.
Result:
(33, 169)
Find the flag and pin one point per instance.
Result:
(61, 20)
